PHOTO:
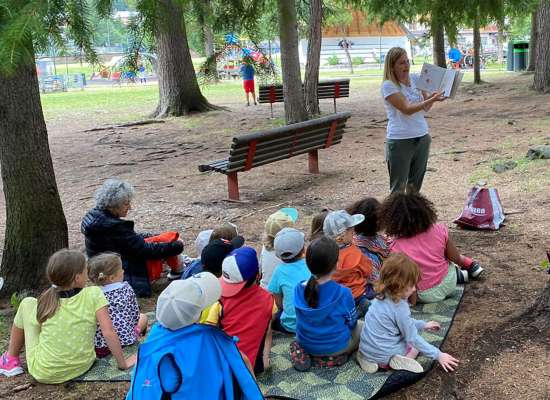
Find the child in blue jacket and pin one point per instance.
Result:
(326, 322)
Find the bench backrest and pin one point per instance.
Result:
(259, 148)
(327, 89)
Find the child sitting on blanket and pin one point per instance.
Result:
(283, 218)
(411, 220)
(390, 335)
(182, 359)
(326, 321)
(354, 268)
(245, 309)
(374, 245)
(105, 271)
(289, 246)
(58, 329)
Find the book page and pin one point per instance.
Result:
(456, 84)
(448, 81)
(431, 78)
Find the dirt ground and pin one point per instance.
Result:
(483, 125)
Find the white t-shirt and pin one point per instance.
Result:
(402, 126)
(268, 262)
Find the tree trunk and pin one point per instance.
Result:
(438, 40)
(35, 223)
(533, 42)
(295, 110)
(348, 55)
(311, 79)
(179, 92)
(207, 28)
(477, 47)
(500, 43)
(542, 64)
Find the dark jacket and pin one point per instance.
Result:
(106, 233)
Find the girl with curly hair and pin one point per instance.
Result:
(411, 220)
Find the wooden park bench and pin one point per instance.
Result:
(329, 89)
(259, 148)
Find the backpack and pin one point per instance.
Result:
(195, 362)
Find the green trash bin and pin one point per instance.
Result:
(521, 52)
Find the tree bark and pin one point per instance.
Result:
(533, 42)
(477, 47)
(179, 92)
(311, 79)
(438, 43)
(500, 43)
(295, 110)
(207, 28)
(348, 55)
(542, 64)
(35, 223)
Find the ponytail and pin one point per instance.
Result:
(48, 302)
(63, 267)
(312, 292)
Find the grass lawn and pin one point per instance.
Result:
(115, 104)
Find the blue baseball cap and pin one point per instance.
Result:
(237, 268)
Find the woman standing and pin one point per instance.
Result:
(407, 140)
(105, 230)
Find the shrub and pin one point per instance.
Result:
(333, 60)
(357, 60)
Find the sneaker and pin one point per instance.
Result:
(475, 270)
(366, 365)
(329, 361)
(10, 366)
(398, 362)
(301, 361)
(461, 276)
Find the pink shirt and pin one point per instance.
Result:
(427, 249)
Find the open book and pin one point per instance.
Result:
(437, 79)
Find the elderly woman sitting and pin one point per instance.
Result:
(106, 231)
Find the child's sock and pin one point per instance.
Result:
(466, 262)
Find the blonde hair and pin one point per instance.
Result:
(394, 54)
(103, 266)
(317, 224)
(226, 231)
(63, 267)
(398, 274)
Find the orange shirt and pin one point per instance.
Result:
(353, 269)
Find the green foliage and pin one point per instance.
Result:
(357, 60)
(16, 299)
(333, 60)
(29, 25)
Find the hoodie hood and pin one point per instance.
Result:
(317, 315)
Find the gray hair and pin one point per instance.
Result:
(113, 194)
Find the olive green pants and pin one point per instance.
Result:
(407, 160)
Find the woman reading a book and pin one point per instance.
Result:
(407, 140)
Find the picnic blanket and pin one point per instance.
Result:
(347, 382)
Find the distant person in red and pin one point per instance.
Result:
(247, 72)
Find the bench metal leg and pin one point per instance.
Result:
(313, 162)
(233, 186)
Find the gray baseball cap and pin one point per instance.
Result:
(288, 243)
(337, 222)
(182, 302)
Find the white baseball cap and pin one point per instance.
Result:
(182, 302)
(337, 222)
(202, 240)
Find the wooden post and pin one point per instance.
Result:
(334, 105)
(233, 186)
(313, 162)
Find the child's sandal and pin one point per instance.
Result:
(301, 361)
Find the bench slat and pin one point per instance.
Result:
(218, 165)
(284, 143)
(274, 158)
(276, 132)
(240, 148)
